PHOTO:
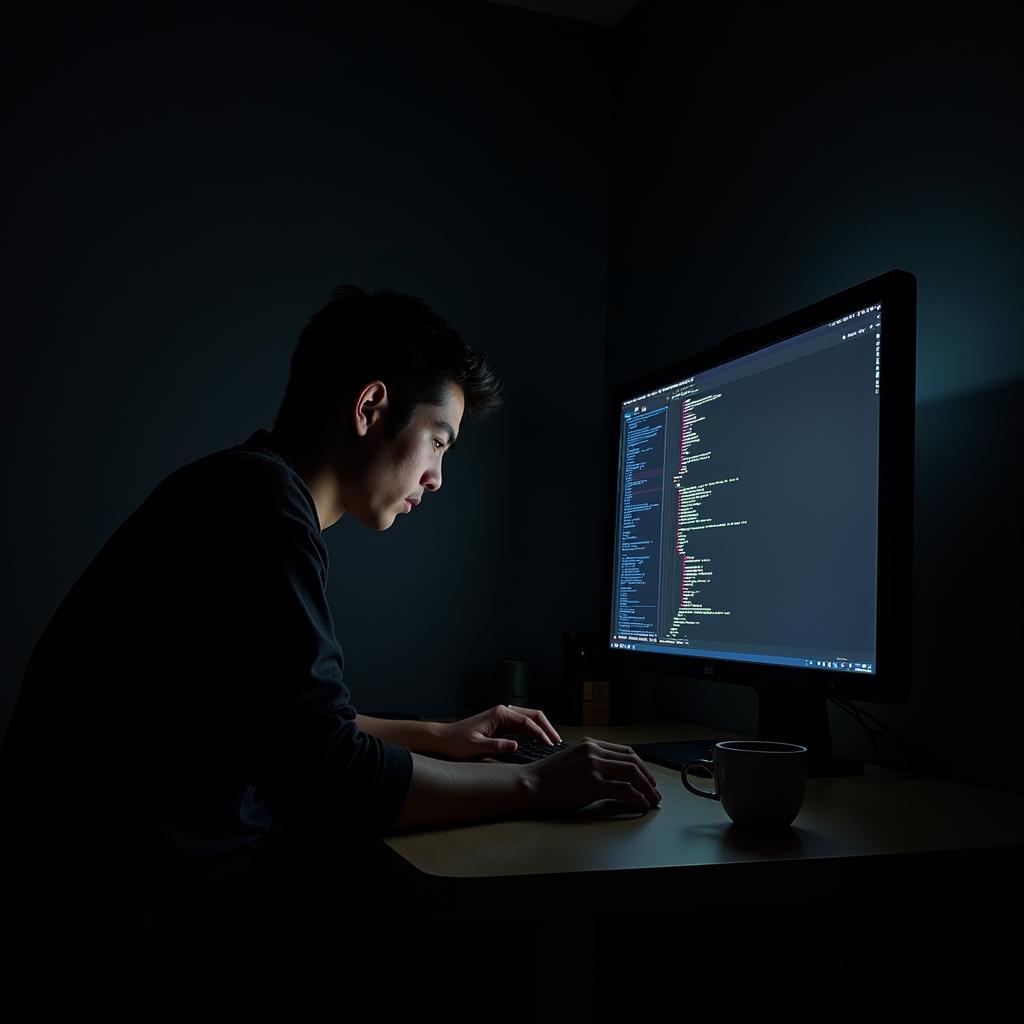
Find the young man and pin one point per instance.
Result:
(187, 697)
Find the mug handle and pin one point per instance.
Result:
(693, 789)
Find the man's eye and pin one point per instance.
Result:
(440, 444)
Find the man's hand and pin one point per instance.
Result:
(591, 770)
(481, 735)
(444, 793)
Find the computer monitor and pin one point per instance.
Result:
(763, 515)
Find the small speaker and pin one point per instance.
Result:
(512, 683)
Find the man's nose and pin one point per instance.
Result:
(432, 479)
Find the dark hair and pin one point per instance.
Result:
(359, 336)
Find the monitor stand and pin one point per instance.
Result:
(786, 717)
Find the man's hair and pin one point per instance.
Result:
(359, 336)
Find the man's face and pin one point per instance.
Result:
(401, 468)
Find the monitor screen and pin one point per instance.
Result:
(747, 504)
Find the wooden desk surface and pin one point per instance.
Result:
(912, 833)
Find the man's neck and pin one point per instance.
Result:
(308, 461)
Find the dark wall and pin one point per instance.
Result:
(186, 188)
(767, 157)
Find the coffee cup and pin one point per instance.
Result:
(760, 783)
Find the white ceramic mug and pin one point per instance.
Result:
(760, 783)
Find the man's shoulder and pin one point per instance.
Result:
(244, 477)
(255, 465)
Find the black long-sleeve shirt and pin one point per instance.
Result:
(188, 692)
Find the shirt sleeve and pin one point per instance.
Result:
(312, 766)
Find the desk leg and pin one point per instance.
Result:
(563, 975)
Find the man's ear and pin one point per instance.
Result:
(370, 407)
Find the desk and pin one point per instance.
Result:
(885, 842)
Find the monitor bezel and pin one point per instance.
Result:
(890, 683)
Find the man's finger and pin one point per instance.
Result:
(533, 728)
(625, 793)
(618, 748)
(627, 771)
(631, 758)
(542, 722)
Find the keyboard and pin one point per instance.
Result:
(671, 755)
(529, 750)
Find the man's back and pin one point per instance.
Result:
(188, 692)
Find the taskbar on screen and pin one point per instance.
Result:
(834, 664)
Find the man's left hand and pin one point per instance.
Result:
(480, 735)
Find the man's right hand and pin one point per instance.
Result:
(444, 793)
(591, 770)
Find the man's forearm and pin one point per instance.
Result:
(419, 737)
(444, 793)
